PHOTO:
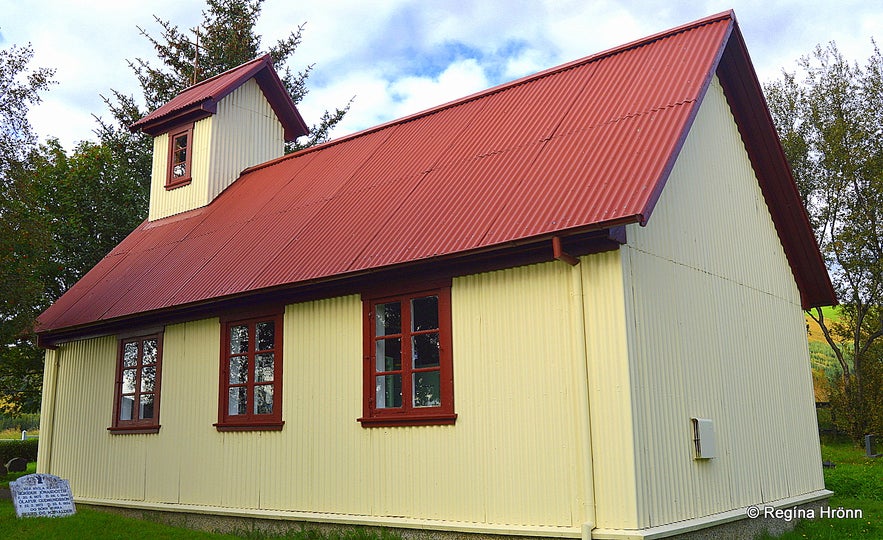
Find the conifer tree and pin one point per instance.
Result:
(226, 38)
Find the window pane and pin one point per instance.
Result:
(148, 379)
(238, 369)
(239, 339)
(146, 410)
(149, 352)
(130, 354)
(265, 333)
(263, 399)
(389, 354)
(178, 171)
(388, 319)
(127, 404)
(181, 141)
(425, 351)
(129, 377)
(424, 313)
(237, 401)
(389, 391)
(427, 389)
(263, 367)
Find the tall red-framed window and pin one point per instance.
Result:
(408, 367)
(251, 374)
(138, 376)
(180, 157)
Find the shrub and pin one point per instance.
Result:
(22, 421)
(857, 403)
(23, 449)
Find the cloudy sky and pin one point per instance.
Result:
(397, 57)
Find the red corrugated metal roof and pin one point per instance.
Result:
(581, 147)
(201, 100)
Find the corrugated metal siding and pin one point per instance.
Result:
(163, 202)
(82, 449)
(718, 333)
(514, 457)
(245, 132)
(517, 368)
(47, 411)
(610, 390)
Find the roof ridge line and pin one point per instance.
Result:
(255, 60)
(510, 84)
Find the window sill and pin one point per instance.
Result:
(132, 430)
(410, 420)
(264, 426)
(178, 183)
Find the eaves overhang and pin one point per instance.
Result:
(576, 243)
(748, 105)
(201, 100)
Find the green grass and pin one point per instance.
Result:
(94, 524)
(88, 523)
(857, 483)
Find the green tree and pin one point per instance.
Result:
(828, 118)
(24, 236)
(226, 38)
(61, 213)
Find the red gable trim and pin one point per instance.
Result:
(758, 132)
(201, 100)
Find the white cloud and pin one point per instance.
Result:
(401, 56)
(379, 99)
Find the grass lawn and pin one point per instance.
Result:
(857, 483)
(93, 524)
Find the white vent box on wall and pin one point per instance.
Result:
(703, 439)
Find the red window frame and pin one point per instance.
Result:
(406, 412)
(132, 383)
(174, 160)
(250, 420)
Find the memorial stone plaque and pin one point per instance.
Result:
(42, 495)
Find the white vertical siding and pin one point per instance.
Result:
(243, 132)
(47, 411)
(517, 380)
(517, 456)
(163, 202)
(718, 333)
(610, 391)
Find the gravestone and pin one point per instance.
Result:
(871, 446)
(17, 464)
(42, 495)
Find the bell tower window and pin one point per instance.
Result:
(180, 156)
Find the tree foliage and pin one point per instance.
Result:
(23, 233)
(828, 118)
(20, 87)
(225, 39)
(62, 212)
